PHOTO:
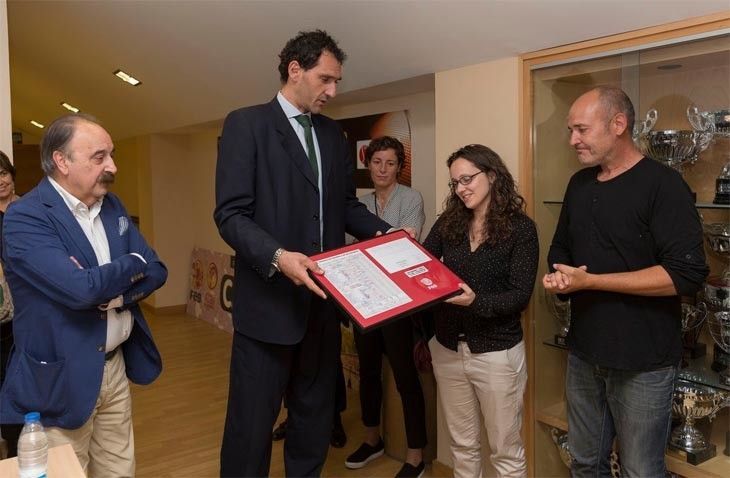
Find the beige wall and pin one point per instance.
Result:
(127, 157)
(168, 181)
(172, 193)
(202, 148)
(475, 104)
(6, 141)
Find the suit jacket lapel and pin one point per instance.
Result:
(58, 208)
(291, 143)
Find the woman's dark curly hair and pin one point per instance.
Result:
(505, 202)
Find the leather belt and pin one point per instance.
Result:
(110, 355)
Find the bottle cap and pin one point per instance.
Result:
(32, 417)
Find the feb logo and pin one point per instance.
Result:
(427, 283)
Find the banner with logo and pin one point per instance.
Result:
(211, 288)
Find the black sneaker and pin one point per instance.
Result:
(364, 455)
(410, 471)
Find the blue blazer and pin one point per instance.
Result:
(266, 198)
(57, 362)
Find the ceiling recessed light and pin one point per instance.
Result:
(70, 107)
(127, 78)
(36, 124)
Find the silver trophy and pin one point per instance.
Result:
(719, 325)
(560, 438)
(722, 186)
(692, 319)
(561, 311)
(674, 148)
(692, 402)
(717, 292)
(717, 235)
(718, 121)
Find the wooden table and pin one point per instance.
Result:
(62, 463)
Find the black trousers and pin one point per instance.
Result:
(395, 340)
(260, 375)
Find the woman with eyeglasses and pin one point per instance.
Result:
(478, 354)
(400, 206)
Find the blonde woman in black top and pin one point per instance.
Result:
(478, 354)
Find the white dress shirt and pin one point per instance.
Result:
(119, 323)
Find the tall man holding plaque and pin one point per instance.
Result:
(284, 191)
(628, 244)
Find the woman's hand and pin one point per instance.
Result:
(465, 298)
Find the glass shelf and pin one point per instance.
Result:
(709, 205)
(698, 371)
(698, 205)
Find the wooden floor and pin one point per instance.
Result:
(178, 420)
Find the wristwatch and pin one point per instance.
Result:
(275, 259)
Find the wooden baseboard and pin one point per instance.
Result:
(168, 310)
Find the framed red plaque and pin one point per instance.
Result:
(384, 278)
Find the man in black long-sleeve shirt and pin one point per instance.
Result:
(628, 244)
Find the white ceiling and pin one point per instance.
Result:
(199, 59)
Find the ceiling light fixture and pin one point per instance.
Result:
(70, 107)
(126, 77)
(36, 124)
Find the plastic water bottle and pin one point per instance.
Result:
(33, 448)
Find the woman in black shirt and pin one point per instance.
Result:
(478, 354)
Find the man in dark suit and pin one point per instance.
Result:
(284, 191)
(77, 268)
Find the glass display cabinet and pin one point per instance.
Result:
(680, 88)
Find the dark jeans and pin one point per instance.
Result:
(634, 407)
(396, 341)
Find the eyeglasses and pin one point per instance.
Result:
(464, 180)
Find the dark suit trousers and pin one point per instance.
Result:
(396, 341)
(261, 373)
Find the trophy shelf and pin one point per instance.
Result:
(699, 371)
(717, 467)
(551, 343)
(699, 205)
